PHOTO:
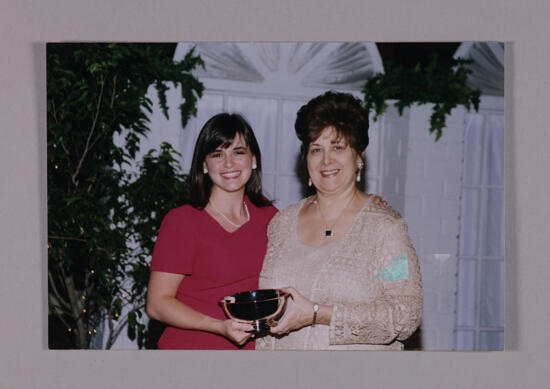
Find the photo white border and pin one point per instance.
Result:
(26, 362)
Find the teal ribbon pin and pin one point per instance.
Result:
(397, 271)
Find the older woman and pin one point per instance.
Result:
(346, 260)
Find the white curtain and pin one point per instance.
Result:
(480, 301)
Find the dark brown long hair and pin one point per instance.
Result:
(220, 131)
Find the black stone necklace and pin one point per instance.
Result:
(329, 231)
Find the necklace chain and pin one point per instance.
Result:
(328, 232)
(227, 219)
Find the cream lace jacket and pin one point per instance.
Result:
(370, 276)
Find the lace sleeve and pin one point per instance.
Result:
(397, 311)
(274, 232)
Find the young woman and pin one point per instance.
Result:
(213, 246)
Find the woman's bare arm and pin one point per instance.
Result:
(162, 305)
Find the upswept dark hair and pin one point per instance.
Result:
(220, 131)
(342, 111)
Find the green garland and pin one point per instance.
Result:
(443, 84)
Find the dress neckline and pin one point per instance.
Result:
(334, 242)
(219, 227)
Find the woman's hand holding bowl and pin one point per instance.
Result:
(299, 314)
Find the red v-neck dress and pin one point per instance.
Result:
(216, 263)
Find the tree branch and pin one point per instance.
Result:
(76, 312)
(94, 124)
(89, 289)
(65, 148)
(110, 324)
(54, 113)
(114, 336)
(57, 309)
(62, 319)
(114, 89)
(62, 301)
(66, 238)
(98, 137)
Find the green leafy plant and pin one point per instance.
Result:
(443, 84)
(103, 215)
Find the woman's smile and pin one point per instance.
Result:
(230, 175)
(329, 173)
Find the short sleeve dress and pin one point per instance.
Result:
(216, 263)
(370, 276)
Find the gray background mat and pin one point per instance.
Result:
(25, 26)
